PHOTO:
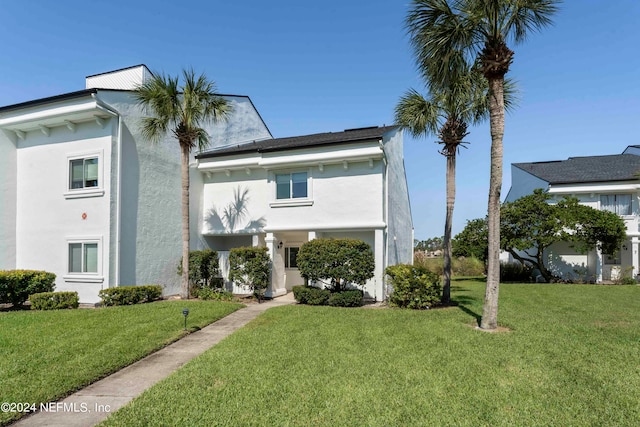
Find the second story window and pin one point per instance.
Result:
(291, 185)
(83, 173)
(617, 203)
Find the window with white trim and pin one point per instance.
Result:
(83, 257)
(617, 203)
(291, 185)
(291, 257)
(83, 173)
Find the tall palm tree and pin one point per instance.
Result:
(479, 29)
(181, 110)
(446, 114)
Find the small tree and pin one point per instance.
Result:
(530, 225)
(250, 267)
(336, 262)
(472, 240)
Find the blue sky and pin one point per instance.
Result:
(327, 66)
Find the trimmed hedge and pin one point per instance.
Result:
(250, 267)
(348, 298)
(413, 287)
(336, 262)
(17, 285)
(311, 295)
(214, 294)
(204, 270)
(126, 295)
(54, 300)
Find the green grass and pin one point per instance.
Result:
(45, 355)
(571, 359)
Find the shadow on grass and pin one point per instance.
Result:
(463, 302)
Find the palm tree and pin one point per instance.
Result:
(446, 114)
(447, 36)
(181, 110)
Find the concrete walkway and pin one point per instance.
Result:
(95, 403)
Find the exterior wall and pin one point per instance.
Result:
(46, 218)
(523, 183)
(8, 175)
(343, 202)
(125, 79)
(341, 199)
(400, 225)
(150, 227)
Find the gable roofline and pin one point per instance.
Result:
(303, 141)
(585, 169)
(86, 92)
(121, 69)
(48, 100)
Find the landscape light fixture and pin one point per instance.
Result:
(185, 313)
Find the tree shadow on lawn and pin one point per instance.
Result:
(462, 302)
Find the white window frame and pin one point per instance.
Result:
(98, 191)
(298, 201)
(88, 277)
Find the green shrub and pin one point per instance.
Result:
(336, 262)
(214, 294)
(413, 286)
(348, 298)
(462, 266)
(54, 300)
(17, 285)
(250, 267)
(126, 295)
(468, 266)
(204, 270)
(515, 272)
(311, 295)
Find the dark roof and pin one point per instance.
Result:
(293, 142)
(619, 167)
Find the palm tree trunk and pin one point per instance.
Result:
(451, 198)
(496, 111)
(184, 289)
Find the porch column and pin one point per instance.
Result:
(634, 256)
(379, 292)
(598, 265)
(276, 288)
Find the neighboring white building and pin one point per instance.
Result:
(84, 196)
(602, 182)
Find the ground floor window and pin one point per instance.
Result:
(83, 257)
(612, 259)
(291, 257)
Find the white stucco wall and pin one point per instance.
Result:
(150, 228)
(340, 198)
(8, 168)
(46, 219)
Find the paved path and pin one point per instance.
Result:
(93, 404)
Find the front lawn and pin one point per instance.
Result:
(571, 358)
(45, 355)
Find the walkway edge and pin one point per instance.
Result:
(93, 404)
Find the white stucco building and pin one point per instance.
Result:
(84, 196)
(602, 182)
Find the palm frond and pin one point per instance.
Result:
(418, 115)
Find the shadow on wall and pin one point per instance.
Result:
(235, 213)
(130, 189)
(575, 272)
